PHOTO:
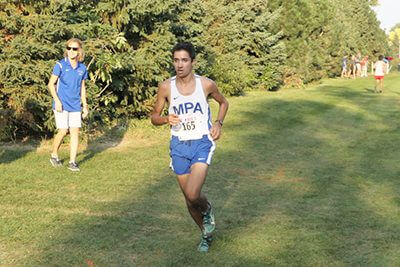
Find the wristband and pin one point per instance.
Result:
(221, 122)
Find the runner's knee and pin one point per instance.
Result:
(192, 197)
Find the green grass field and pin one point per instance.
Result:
(304, 177)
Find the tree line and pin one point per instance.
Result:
(241, 44)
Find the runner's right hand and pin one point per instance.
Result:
(173, 119)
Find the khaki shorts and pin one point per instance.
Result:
(66, 119)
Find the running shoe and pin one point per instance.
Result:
(205, 243)
(73, 167)
(55, 161)
(208, 221)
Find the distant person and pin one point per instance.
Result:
(68, 89)
(364, 67)
(357, 61)
(387, 62)
(344, 67)
(193, 135)
(379, 68)
(352, 67)
(388, 67)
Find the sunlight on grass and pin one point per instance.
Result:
(305, 177)
(382, 199)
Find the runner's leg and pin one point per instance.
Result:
(191, 185)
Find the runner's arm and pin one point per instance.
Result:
(162, 97)
(213, 91)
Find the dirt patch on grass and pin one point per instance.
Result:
(134, 140)
(280, 177)
(128, 141)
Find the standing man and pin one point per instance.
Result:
(192, 133)
(380, 69)
(67, 87)
(344, 67)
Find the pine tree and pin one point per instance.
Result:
(241, 44)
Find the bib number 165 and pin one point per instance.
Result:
(188, 126)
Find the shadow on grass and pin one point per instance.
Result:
(309, 172)
(10, 127)
(109, 138)
(297, 171)
(370, 90)
(13, 152)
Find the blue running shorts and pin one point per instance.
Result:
(186, 153)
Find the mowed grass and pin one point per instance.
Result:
(300, 177)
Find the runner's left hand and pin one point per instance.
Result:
(216, 131)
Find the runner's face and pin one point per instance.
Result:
(183, 64)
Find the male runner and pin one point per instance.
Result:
(192, 133)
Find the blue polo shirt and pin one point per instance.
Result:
(69, 84)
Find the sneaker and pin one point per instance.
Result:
(205, 243)
(55, 162)
(208, 221)
(73, 167)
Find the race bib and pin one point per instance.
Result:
(190, 127)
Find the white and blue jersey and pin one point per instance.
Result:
(69, 84)
(191, 141)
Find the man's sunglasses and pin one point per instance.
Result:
(73, 48)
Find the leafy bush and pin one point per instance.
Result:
(241, 44)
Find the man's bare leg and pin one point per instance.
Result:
(197, 203)
(191, 185)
